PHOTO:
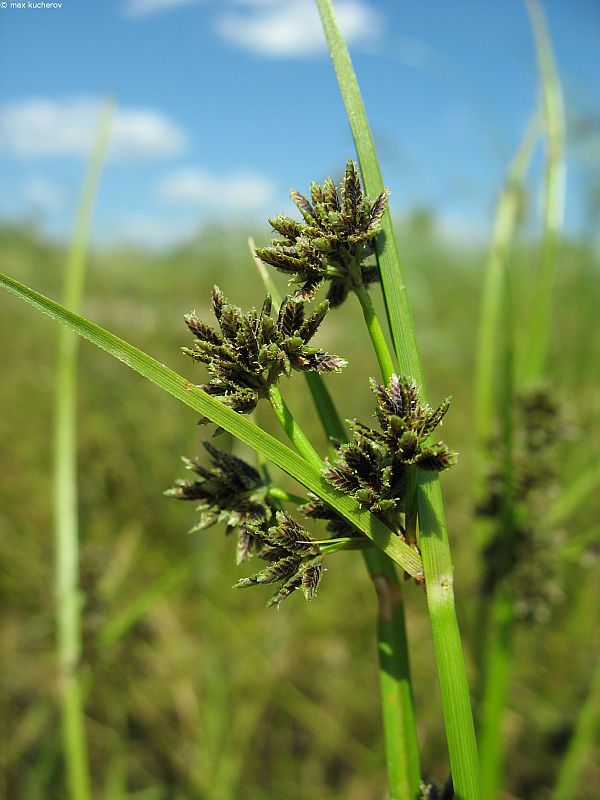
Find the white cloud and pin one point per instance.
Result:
(44, 195)
(40, 128)
(284, 28)
(244, 191)
(141, 8)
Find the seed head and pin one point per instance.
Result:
(338, 234)
(252, 351)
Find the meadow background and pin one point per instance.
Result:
(194, 690)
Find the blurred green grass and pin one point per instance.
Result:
(208, 694)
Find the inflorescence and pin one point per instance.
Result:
(372, 467)
(252, 351)
(334, 241)
(248, 355)
(529, 555)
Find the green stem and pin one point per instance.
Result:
(499, 654)
(397, 702)
(288, 497)
(488, 377)
(582, 743)
(336, 545)
(554, 193)
(333, 426)
(433, 538)
(294, 432)
(384, 358)
(401, 744)
(68, 597)
(491, 323)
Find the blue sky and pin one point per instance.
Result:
(223, 105)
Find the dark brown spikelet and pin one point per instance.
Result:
(251, 351)
(228, 491)
(372, 467)
(294, 559)
(334, 236)
(532, 558)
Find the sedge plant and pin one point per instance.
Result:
(519, 426)
(380, 492)
(68, 594)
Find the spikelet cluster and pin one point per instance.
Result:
(335, 239)
(531, 557)
(294, 560)
(372, 466)
(228, 491)
(250, 352)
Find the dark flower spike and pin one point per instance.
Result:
(252, 351)
(372, 467)
(531, 558)
(294, 559)
(338, 233)
(229, 491)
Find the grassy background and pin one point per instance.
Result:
(195, 690)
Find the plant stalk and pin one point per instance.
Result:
(554, 193)
(490, 377)
(397, 702)
(384, 358)
(68, 596)
(401, 744)
(433, 537)
(498, 651)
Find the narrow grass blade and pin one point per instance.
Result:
(65, 488)
(498, 656)
(193, 397)
(491, 324)
(433, 538)
(554, 193)
(490, 376)
(499, 633)
(581, 746)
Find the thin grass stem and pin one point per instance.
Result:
(554, 193)
(582, 743)
(433, 538)
(490, 316)
(498, 656)
(384, 359)
(68, 598)
(397, 702)
(294, 432)
(287, 497)
(500, 638)
(490, 371)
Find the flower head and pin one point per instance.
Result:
(294, 559)
(372, 466)
(334, 240)
(252, 351)
(229, 491)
